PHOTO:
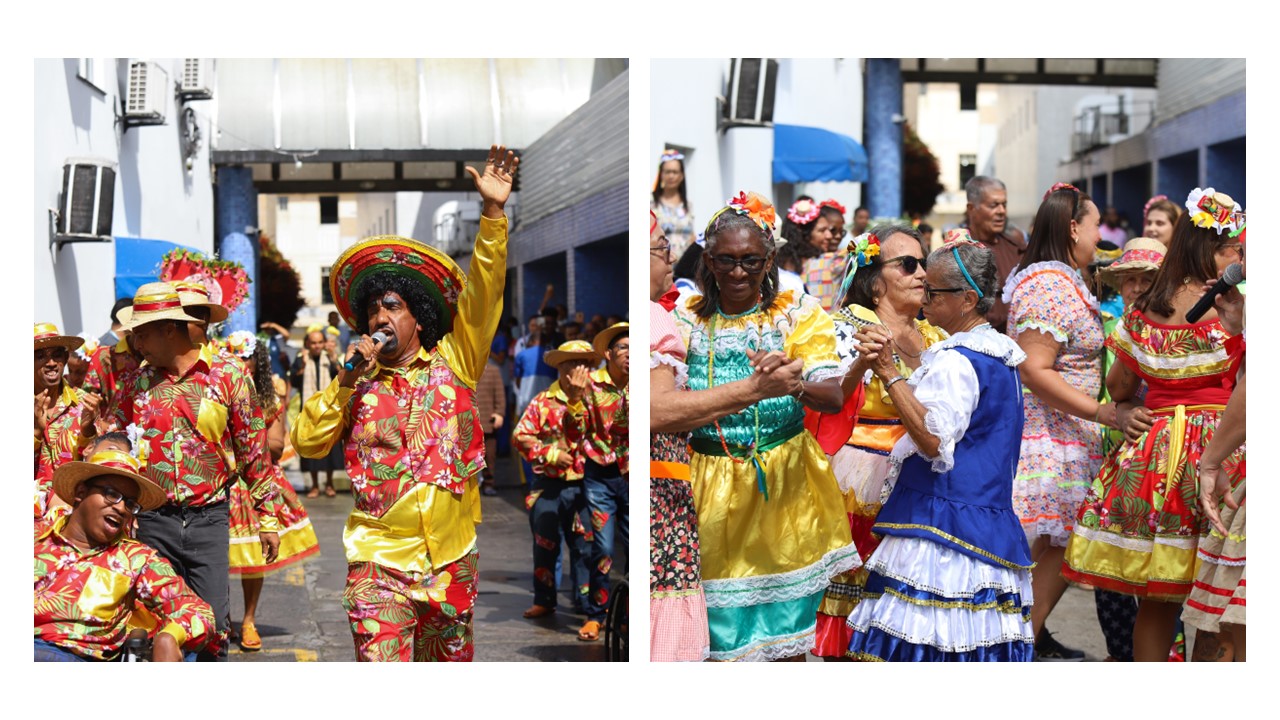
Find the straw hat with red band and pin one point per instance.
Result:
(193, 293)
(108, 462)
(1141, 254)
(47, 335)
(155, 301)
(435, 271)
(604, 338)
(572, 350)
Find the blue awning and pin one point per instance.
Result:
(808, 154)
(138, 262)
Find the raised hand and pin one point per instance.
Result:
(873, 343)
(42, 422)
(368, 350)
(90, 403)
(495, 184)
(575, 383)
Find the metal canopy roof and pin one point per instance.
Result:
(1112, 72)
(340, 125)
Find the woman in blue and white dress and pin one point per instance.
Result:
(951, 579)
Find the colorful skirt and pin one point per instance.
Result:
(1137, 531)
(1058, 461)
(1218, 593)
(297, 537)
(677, 606)
(766, 562)
(861, 476)
(926, 602)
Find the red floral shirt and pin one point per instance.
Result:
(198, 431)
(108, 371)
(547, 423)
(605, 407)
(60, 443)
(84, 598)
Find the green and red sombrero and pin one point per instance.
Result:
(434, 270)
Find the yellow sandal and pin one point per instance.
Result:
(249, 639)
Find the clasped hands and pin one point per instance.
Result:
(874, 352)
(775, 374)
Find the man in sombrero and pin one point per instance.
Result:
(64, 415)
(406, 419)
(197, 429)
(90, 576)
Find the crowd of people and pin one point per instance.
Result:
(869, 449)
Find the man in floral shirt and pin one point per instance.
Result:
(89, 576)
(197, 428)
(64, 415)
(549, 437)
(406, 418)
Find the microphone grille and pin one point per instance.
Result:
(1233, 274)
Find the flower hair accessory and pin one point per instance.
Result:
(242, 344)
(1146, 209)
(751, 205)
(1059, 186)
(803, 212)
(670, 154)
(861, 251)
(85, 351)
(1210, 209)
(959, 236)
(832, 203)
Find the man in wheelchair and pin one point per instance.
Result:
(91, 579)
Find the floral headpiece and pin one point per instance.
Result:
(803, 212)
(831, 203)
(751, 205)
(85, 351)
(959, 236)
(860, 253)
(1146, 209)
(242, 344)
(670, 154)
(1059, 186)
(1210, 209)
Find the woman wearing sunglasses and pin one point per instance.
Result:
(1055, 320)
(770, 520)
(951, 579)
(883, 285)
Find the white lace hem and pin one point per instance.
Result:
(948, 435)
(1044, 327)
(681, 369)
(781, 587)
(986, 341)
(778, 648)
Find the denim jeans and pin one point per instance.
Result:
(607, 500)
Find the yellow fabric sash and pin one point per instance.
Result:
(1177, 431)
(428, 527)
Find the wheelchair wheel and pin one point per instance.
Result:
(616, 624)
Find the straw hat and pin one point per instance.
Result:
(1140, 255)
(108, 462)
(195, 294)
(604, 338)
(434, 270)
(47, 335)
(572, 350)
(155, 301)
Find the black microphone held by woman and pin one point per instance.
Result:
(1230, 278)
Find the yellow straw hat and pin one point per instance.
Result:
(155, 301)
(572, 350)
(108, 462)
(47, 335)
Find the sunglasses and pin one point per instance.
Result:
(752, 264)
(114, 496)
(909, 263)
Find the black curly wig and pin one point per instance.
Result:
(425, 309)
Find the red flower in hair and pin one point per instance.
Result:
(1059, 186)
(831, 203)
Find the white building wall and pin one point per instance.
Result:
(949, 132)
(824, 93)
(155, 196)
(683, 113)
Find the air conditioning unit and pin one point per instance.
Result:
(148, 94)
(88, 197)
(753, 85)
(197, 79)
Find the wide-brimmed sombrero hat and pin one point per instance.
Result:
(155, 301)
(193, 293)
(108, 462)
(604, 338)
(47, 335)
(572, 350)
(434, 270)
(1140, 255)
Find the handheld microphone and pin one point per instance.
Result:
(358, 359)
(1230, 278)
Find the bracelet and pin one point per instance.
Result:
(894, 379)
(1098, 413)
(800, 394)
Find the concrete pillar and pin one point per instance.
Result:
(237, 206)
(883, 137)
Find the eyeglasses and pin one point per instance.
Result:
(113, 496)
(752, 264)
(663, 251)
(909, 263)
(930, 292)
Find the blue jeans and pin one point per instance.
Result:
(607, 501)
(48, 652)
(558, 505)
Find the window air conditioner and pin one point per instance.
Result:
(753, 84)
(148, 94)
(197, 79)
(88, 197)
